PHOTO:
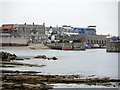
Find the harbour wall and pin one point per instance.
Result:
(113, 47)
(13, 41)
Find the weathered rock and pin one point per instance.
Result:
(7, 56)
(27, 72)
(54, 58)
(6, 63)
(21, 81)
(27, 58)
(41, 56)
(31, 81)
(45, 57)
(49, 58)
(18, 58)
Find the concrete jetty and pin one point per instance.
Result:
(113, 44)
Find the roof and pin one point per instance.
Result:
(27, 25)
(40, 35)
(7, 26)
(110, 36)
(91, 26)
(55, 29)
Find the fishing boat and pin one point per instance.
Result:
(67, 46)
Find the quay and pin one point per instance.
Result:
(67, 46)
(113, 44)
(28, 34)
(13, 42)
(113, 47)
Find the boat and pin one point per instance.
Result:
(66, 46)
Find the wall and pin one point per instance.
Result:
(95, 39)
(113, 47)
(13, 41)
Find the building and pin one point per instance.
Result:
(89, 40)
(87, 35)
(89, 30)
(27, 29)
(30, 32)
(113, 44)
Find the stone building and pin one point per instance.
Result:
(95, 39)
(33, 33)
(27, 29)
(87, 35)
(88, 39)
(113, 44)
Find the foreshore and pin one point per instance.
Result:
(31, 80)
(33, 46)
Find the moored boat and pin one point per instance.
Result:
(66, 46)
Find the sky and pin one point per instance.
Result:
(77, 13)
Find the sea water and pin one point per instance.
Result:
(95, 62)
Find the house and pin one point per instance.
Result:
(113, 44)
(29, 32)
(89, 30)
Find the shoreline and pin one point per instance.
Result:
(30, 80)
(30, 47)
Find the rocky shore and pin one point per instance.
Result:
(45, 57)
(33, 47)
(30, 80)
(16, 80)
(7, 60)
(5, 56)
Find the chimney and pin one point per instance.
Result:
(33, 24)
(44, 24)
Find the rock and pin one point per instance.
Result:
(19, 81)
(41, 56)
(45, 57)
(7, 56)
(29, 80)
(18, 58)
(49, 58)
(54, 58)
(27, 58)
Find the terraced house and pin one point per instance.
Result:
(87, 35)
(23, 32)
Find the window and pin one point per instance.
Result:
(91, 41)
(94, 42)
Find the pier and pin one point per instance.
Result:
(67, 46)
(113, 44)
(113, 47)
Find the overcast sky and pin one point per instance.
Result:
(77, 13)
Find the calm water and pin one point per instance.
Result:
(90, 62)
